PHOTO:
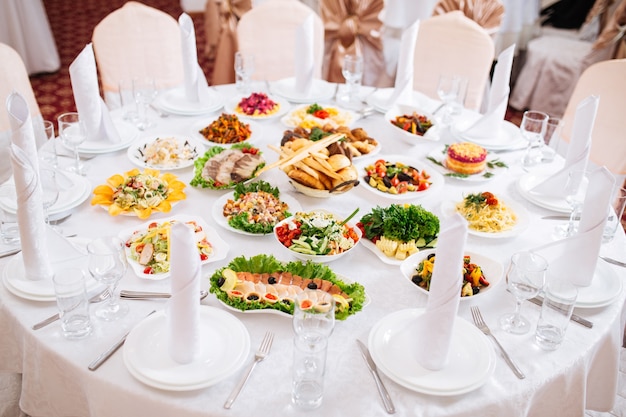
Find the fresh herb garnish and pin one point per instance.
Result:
(456, 175)
(496, 163)
(434, 161)
(313, 108)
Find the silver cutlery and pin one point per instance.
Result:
(438, 108)
(556, 217)
(145, 295)
(95, 299)
(382, 391)
(539, 301)
(613, 261)
(482, 326)
(264, 349)
(108, 353)
(10, 252)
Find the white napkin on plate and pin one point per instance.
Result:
(91, 108)
(431, 334)
(403, 87)
(488, 127)
(576, 257)
(184, 305)
(577, 152)
(304, 56)
(196, 86)
(30, 215)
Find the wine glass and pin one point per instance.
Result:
(525, 278)
(72, 132)
(48, 151)
(50, 191)
(107, 264)
(550, 145)
(244, 68)
(448, 90)
(575, 196)
(144, 90)
(352, 70)
(533, 128)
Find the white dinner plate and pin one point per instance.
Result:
(436, 179)
(220, 219)
(174, 101)
(379, 100)
(128, 134)
(509, 137)
(220, 247)
(437, 158)
(135, 150)
(224, 347)
(320, 90)
(448, 207)
(555, 203)
(604, 288)
(231, 107)
(256, 132)
(472, 359)
(298, 117)
(492, 270)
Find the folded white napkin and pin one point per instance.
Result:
(576, 257)
(431, 334)
(577, 152)
(91, 108)
(184, 305)
(30, 214)
(487, 128)
(196, 86)
(403, 87)
(402, 13)
(304, 56)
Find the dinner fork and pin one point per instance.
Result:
(264, 349)
(482, 326)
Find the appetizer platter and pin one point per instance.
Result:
(480, 273)
(253, 208)
(220, 168)
(167, 152)
(318, 115)
(226, 130)
(138, 193)
(258, 106)
(264, 284)
(411, 125)
(356, 141)
(466, 161)
(148, 249)
(398, 231)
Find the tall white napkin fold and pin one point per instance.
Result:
(576, 257)
(196, 86)
(30, 215)
(91, 107)
(184, 306)
(431, 334)
(402, 13)
(487, 128)
(577, 152)
(403, 87)
(304, 56)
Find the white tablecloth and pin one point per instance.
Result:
(581, 374)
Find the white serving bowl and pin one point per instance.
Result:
(431, 134)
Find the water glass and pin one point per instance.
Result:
(616, 212)
(71, 296)
(50, 191)
(9, 229)
(48, 152)
(551, 139)
(558, 304)
(244, 68)
(575, 190)
(72, 132)
(107, 264)
(449, 90)
(145, 91)
(127, 100)
(352, 71)
(533, 128)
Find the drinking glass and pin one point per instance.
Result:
(616, 212)
(144, 90)
(559, 299)
(244, 68)
(71, 297)
(107, 264)
(551, 139)
(352, 71)
(524, 279)
(50, 191)
(575, 190)
(72, 132)
(48, 151)
(448, 90)
(533, 128)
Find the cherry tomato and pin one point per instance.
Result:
(148, 270)
(204, 256)
(321, 114)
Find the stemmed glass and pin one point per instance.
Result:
(574, 195)
(107, 264)
(525, 278)
(244, 68)
(72, 132)
(448, 90)
(352, 71)
(50, 191)
(144, 90)
(533, 128)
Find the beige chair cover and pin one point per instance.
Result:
(352, 27)
(137, 41)
(455, 44)
(487, 13)
(607, 80)
(268, 32)
(220, 23)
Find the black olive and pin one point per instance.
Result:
(429, 257)
(221, 281)
(404, 176)
(312, 286)
(475, 290)
(387, 181)
(367, 179)
(416, 279)
(271, 280)
(253, 297)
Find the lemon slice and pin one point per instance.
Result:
(230, 280)
(340, 302)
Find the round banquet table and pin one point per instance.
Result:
(581, 374)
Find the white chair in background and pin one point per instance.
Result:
(487, 13)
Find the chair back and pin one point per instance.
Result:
(453, 43)
(137, 41)
(487, 13)
(607, 80)
(268, 32)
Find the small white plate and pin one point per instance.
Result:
(256, 132)
(437, 158)
(220, 247)
(509, 137)
(231, 107)
(436, 179)
(431, 135)
(379, 100)
(605, 286)
(174, 101)
(492, 270)
(555, 203)
(472, 359)
(320, 90)
(298, 117)
(135, 156)
(220, 219)
(128, 134)
(224, 347)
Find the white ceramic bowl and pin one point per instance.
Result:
(431, 134)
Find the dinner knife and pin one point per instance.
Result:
(384, 395)
(10, 252)
(556, 217)
(108, 353)
(539, 301)
(613, 261)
